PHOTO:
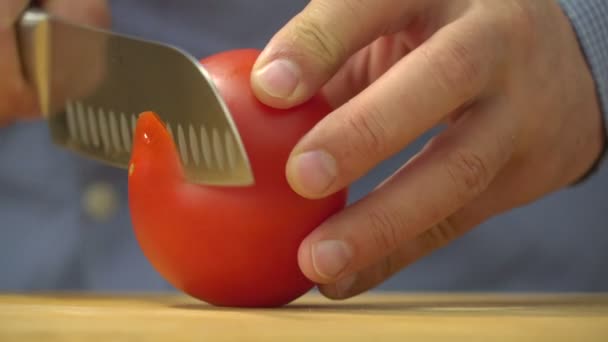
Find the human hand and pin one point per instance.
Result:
(508, 80)
(17, 98)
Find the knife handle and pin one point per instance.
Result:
(31, 4)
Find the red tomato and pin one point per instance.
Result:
(223, 245)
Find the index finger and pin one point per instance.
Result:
(312, 46)
(447, 71)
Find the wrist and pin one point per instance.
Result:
(600, 152)
(588, 19)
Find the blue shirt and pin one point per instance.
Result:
(59, 229)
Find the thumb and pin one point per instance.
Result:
(312, 46)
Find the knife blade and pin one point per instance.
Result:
(93, 83)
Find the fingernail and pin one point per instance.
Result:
(279, 78)
(330, 257)
(312, 173)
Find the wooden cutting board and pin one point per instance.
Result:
(373, 317)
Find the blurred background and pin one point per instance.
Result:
(64, 221)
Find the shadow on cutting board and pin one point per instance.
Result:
(518, 304)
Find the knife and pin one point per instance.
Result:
(92, 84)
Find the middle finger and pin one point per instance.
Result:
(448, 70)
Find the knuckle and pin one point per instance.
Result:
(468, 172)
(322, 43)
(359, 11)
(99, 13)
(439, 235)
(454, 68)
(388, 267)
(392, 264)
(386, 229)
(521, 21)
(515, 25)
(370, 132)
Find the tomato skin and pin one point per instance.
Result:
(229, 246)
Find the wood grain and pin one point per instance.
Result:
(372, 317)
